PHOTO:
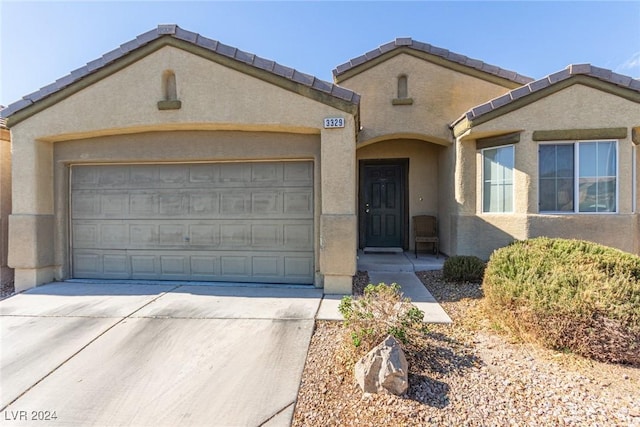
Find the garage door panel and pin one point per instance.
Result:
(288, 267)
(230, 221)
(200, 203)
(216, 235)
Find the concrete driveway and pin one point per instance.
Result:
(153, 355)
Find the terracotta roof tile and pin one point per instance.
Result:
(207, 43)
(245, 57)
(263, 64)
(387, 47)
(147, 37)
(501, 100)
(173, 30)
(407, 42)
(185, 35)
(111, 56)
(303, 78)
(95, 64)
(373, 54)
(226, 50)
(539, 84)
(602, 74)
(283, 71)
(559, 76)
(322, 85)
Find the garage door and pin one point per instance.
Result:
(248, 222)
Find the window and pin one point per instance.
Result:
(497, 179)
(578, 177)
(403, 87)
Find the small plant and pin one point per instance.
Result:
(463, 268)
(380, 311)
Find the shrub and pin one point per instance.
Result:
(568, 295)
(380, 311)
(463, 268)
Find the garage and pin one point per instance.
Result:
(240, 222)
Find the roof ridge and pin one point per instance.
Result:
(408, 42)
(571, 70)
(174, 31)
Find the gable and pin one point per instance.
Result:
(171, 35)
(436, 96)
(606, 90)
(433, 54)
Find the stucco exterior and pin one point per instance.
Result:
(424, 113)
(438, 96)
(576, 107)
(6, 273)
(222, 118)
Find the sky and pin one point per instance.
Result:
(41, 41)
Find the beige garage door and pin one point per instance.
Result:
(249, 222)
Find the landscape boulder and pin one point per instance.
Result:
(383, 368)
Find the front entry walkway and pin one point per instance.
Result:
(397, 268)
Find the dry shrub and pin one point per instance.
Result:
(463, 268)
(382, 310)
(568, 295)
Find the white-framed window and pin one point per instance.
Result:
(497, 179)
(578, 177)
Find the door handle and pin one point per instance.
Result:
(366, 208)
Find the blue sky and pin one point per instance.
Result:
(44, 40)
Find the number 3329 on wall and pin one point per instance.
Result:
(333, 122)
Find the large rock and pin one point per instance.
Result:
(384, 368)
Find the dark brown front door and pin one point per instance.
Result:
(382, 203)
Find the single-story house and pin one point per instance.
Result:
(176, 157)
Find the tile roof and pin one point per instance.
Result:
(407, 42)
(3, 121)
(176, 32)
(572, 70)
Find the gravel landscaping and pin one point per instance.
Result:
(467, 374)
(6, 290)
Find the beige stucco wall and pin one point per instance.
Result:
(422, 175)
(123, 106)
(576, 107)
(440, 95)
(6, 273)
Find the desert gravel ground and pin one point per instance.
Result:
(468, 375)
(6, 290)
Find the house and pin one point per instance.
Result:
(176, 157)
(6, 273)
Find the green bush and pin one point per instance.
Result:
(380, 311)
(568, 295)
(463, 269)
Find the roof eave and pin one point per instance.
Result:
(446, 59)
(340, 98)
(484, 113)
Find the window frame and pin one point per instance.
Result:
(513, 184)
(576, 177)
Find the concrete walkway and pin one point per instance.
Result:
(153, 355)
(395, 268)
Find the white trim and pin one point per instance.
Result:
(513, 180)
(576, 177)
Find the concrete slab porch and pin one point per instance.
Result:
(399, 262)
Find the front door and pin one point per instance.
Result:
(382, 203)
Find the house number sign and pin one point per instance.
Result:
(333, 122)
